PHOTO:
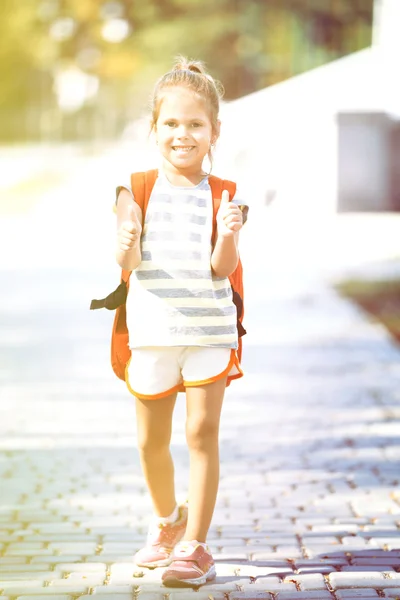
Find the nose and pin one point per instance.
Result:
(181, 132)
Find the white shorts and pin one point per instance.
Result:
(156, 372)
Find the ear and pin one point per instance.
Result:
(153, 132)
(216, 132)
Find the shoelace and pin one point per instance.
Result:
(187, 548)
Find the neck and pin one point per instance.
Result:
(184, 178)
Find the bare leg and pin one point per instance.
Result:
(154, 425)
(204, 405)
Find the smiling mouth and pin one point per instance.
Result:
(182, 148)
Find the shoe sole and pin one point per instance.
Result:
(175, 582)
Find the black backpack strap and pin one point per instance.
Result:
(113, 300)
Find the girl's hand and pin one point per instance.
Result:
(229, 217)
(130, 231)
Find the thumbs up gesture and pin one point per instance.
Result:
(229, 217)
(129, 231)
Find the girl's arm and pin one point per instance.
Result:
(129, 229)
(231, 217)
(225, 256)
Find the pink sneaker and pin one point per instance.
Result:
(161, 541)
(191, 565)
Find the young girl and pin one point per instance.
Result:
(181, 318)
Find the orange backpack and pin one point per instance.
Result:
(142, 185)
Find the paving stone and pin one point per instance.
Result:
(231, 543)
(54, 560)
(82, 548)
(108, 558)
(288, 539)
(123, 568)
(349, 594)
(9, 577)
(44, 597)
(320, 541)
(316, 563)
(273, 584)
(311, 581)
(390, 543)
(47, 591)
(13, 560)
(230, 556)
(250, 595)
(83, 567)
(115, 589)
(159, 596)
(375, 553)
(138, 577)
(201, 594)
(22, 568)
(309, 595)
(26, 547)
(122, 536)
(392, 593)
(58, 538)
(289, 552)
(379, 531)
(336, 528)
(378, 561)
(252, 570)
(323, 569)
(228, 584)
(88, 579)
(242, 548)
(371, 567)
(354, 542)
(10, 586)
(111, 596)
(367, 579)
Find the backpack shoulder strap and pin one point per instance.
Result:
(142, 184)
(217, 185)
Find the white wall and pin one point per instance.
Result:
(364, 179)
(285, 137)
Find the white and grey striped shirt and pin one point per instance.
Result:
(174, 299)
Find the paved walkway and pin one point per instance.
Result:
(309, 501)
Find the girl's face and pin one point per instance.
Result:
(184, 131)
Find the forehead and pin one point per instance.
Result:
(182, 102)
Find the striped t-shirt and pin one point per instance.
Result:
(174, 298)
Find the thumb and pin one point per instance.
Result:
(131, 214)
(225, 196)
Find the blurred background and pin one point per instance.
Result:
(315, 78)
(83, 69)
(310, 131)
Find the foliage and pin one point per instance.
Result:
(247, 44)
(379, 298)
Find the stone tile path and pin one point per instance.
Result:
(309, 500)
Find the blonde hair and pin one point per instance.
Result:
(192, 75)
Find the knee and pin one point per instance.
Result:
(201, 435)
(152, 446)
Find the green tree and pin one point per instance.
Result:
(246, 44)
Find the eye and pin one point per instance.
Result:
(196, 124)
(170, 123)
